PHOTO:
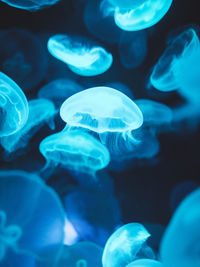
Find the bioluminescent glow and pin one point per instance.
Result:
(59, 90)
(41, 111)
(144, 15)
(23, 234)
(179, 246)
(13, 106)
(30, 5)
(125, 245)
(19, 54)
(80, 55)
(145, 263)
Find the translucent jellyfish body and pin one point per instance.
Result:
(80, 55)
(13, 106)
(75, 150)
(36, 230)
(143, 15)
(30, 5)
(127, 244)
(145, 263)
(41, 111)
(22, 57)
(59, 90)
(180, 244)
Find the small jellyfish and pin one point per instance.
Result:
(22, 57)
(40, 111)
(36, 230)
(145, 263)
(127, 244)
(74, 150)
(13, 106)
(142, 15)
(30, 5)
(81, 56)
(180, 244)
(59, 90)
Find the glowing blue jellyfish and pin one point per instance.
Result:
(94, 214)
(145, 263)
(122, 88)
(82, 254)
(180, 244)
(36, 230)
(74, 150)
(13, 106)
(127, 244)
(80, 55)
(41, 111)
(22, 57)
(142, 15)
(59, 90)
(30, 5)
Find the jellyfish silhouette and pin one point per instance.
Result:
(30, 5)
(40, 111)
(59, 90)
(81, 56)
(142, 15)
(145, 263)
(127, 244)
(22, 57)
(36, 231)
(13, 106)
(75, 150)
(179, 246)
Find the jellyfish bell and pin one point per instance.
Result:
(143, 15)
(80, 55)
(13, 106)
(145, 263)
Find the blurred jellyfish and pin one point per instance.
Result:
(22, 57)
(122, 88)
(145, 263)
(75, 150)
(82, 254)
(71, 236)
(180, 244)
(94, 214)
(40, 111)
(59, 90)
(132, 49)
(142, 15)
(81, 56)
(36, 230)
(127, 244)
(13, 106)
(30, 5)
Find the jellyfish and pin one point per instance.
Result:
(22, 57)
(36, 231)
(180, 244)
(40, 111)
(145, 263)
(59, 90)
(80, 55)
(142, 15)
(13, 106)
(74, 150)
(30, 5)
(127, 244)
(132, 49)
(94, 214)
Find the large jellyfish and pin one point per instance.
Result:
(145, 263)
(140, 15)
(59, 90)
(127, 244)
(40, 111)
(31, 220)
(13, 106)
(74, 150)
(180, 244)
(22, 57)
(30, 5)
(81, 56)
